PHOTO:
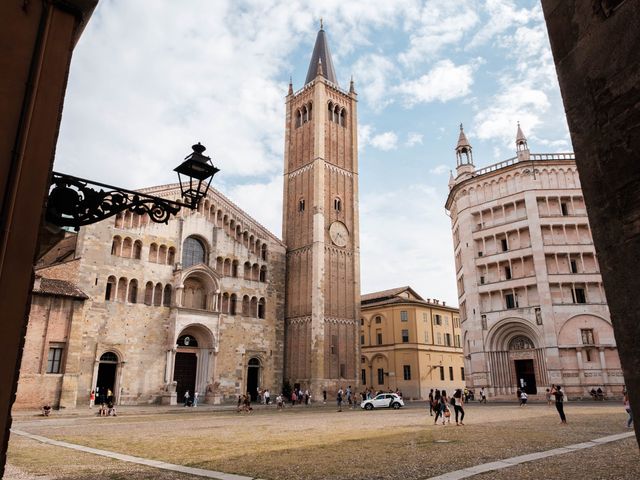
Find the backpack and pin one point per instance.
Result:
(452, 400)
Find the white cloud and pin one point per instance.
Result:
(444, 82)
(385, 141)
(440, 169)
(364, 135)
(502, 15)
(413, 138)
(518, 102)
(439, 23)
(373, 80)
(408, 245)
(263, 201)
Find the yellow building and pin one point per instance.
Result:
(409, 343)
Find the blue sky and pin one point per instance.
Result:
(150, 78)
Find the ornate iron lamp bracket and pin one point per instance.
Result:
(73, 202)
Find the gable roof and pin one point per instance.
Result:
(389, 294)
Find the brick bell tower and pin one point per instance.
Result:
(321, 230)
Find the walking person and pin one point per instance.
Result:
(523, 398)
(324, 397)
(556, 390)
(458, 401)
(483, 395)
(92, 398)
(195, 399)
(627, 407)
(186, 398)
(339, 400)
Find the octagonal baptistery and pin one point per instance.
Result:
(532, 307)
(195, 305)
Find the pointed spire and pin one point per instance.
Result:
(321, 54)
(452, 181)
(320, 72)
(290, 86)
(462, 139)
(464, 152)
(521, 140)
(352, 87)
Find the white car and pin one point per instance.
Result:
(384, 400)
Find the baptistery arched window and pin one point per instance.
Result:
(193, 252)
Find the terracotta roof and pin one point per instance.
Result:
(392, 296)
(368, 297)
(50, 286)
(60, 252)
(322, 54)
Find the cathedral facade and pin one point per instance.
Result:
(212, 302)
(532, 307)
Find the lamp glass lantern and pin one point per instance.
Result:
(195, 175)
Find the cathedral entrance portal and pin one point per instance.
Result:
(253, 378)
(184, 373)
(106, 381)
(526, 376)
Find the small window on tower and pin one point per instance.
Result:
(337, 204)
(301, 205)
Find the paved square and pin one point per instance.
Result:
(317, 442)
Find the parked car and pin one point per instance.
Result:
(384, 400)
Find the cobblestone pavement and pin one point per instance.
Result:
(311, 442)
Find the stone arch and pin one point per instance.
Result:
(116, 245)
(148, 293)
(195, 250)
(569, 333)
(127, 247)
(122, 289)
(200, 285)
(137, 249)
(157, 295)
(153, 252)
(132, 296)
(501, 334)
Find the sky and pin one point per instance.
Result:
(149, 78)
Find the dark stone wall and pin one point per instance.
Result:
(596, 48)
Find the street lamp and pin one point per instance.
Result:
(73, 202)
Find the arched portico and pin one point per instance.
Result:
(192, 361)
(516, 357)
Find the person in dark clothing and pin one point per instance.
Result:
(556, 390)
(458, 400)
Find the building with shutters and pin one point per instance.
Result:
(409, 344)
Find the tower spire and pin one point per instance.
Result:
(464, 154)
(321, 53)
(522, 149)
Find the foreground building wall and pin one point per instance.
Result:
(532, 304)
(599, 86)
(410, 344)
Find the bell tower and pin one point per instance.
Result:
(321, 230)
